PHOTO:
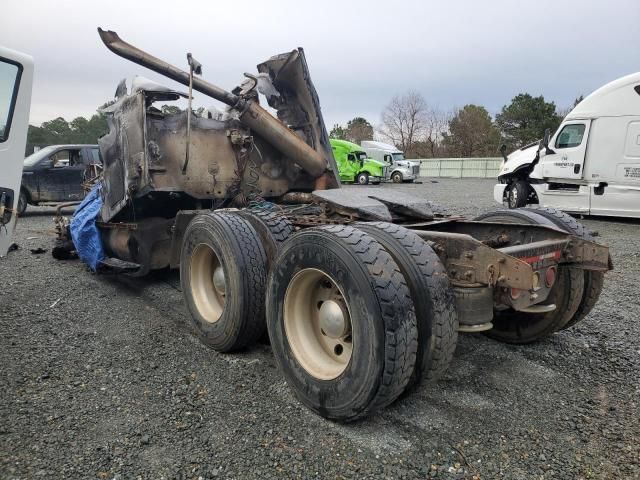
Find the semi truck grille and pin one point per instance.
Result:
(416, 170)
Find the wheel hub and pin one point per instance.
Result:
(218, 280)
(207, 283)
(333, 319)
(317, 324)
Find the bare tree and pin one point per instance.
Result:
(436, 129)
(405, 120)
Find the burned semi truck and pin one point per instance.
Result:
(362, 294)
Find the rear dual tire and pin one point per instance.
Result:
(223, 271)
(593, 280)
(345, 285)
(340, 313)
(512, 326)
(431, 293)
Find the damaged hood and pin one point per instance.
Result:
(518, 159)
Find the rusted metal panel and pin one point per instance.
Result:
(313, 156)
(470, 261)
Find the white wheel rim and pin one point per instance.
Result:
(208, 286)
(317, 324)
(514, 196)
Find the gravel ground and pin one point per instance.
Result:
(102, 377)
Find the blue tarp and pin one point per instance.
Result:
(84, 233)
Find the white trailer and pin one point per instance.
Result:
(401, 170)
(16, 77)
(591, 165)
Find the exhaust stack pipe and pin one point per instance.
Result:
(251, 113)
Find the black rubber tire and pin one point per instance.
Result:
(510, 326)
(272, 227)
(384, 331)
(431, 293)
(593, 281)
(242, 256)
(397, 177)
(362, 178)
(21, 206)
(518, 194)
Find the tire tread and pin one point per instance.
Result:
(444, 334)
(393, 294)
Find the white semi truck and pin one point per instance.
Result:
(16, 77)
(590, 165)
(401, 170)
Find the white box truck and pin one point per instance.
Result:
(591, 165)
(16, 77)
(400, 169)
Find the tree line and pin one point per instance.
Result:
(408, 122)
(80, 130)
(414, 127)
(58, 131)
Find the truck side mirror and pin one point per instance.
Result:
(545, 142)
(46, 164)
(503, 151)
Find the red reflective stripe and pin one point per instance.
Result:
(553, 255)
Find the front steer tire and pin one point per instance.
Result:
(362, 178)
(511, 326)
(223, 270)
(376, 305)
(432, 296)
(518, 194)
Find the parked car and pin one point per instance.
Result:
(56, 173)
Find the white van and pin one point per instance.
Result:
(16, 77)
(401, 170)
(591, 165)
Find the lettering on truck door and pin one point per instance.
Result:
(569, 147)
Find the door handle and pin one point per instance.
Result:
(576, 168)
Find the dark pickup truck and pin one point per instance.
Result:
(56, 173)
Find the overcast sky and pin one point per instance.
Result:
(360, 53)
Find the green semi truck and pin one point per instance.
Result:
(354, 166)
